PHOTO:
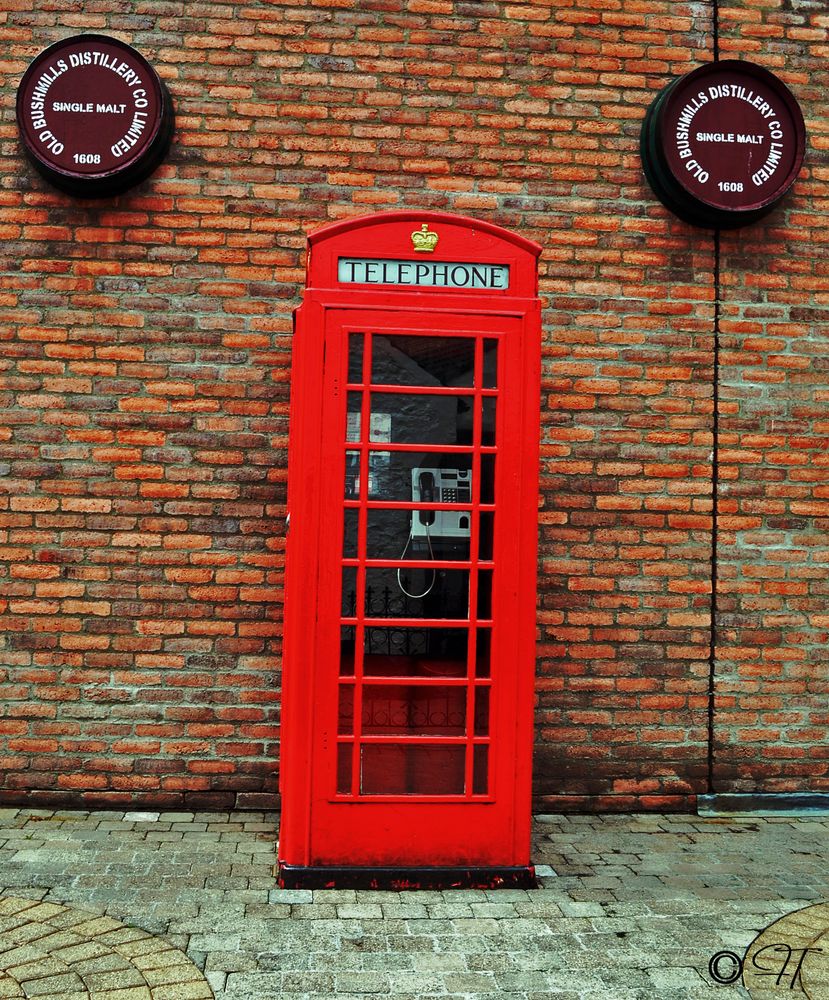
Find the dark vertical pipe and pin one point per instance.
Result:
(716, 16)
(715, 489)
(715, 478)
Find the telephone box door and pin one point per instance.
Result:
(411, 578)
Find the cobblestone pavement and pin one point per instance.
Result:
(636, 908)
(58, 952)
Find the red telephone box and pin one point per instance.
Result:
(410, 594)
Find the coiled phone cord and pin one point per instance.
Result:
(428, 590)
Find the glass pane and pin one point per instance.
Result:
(352, 474)
(377, 473)
(483, 652)
(485, 535)
(399, 477)
(352, 427)
(345, 758)
(487, 479)
(485, 594)
(394, 650)
(412, 770)
(422, 418)
(348, 636)
(409, 651)
(355, 358)
(348, 605)
(423, 361)
(480, 770)
(488, 422)
(482, 711)
(403, 535)
(417, 593)
(490, 364)
(345, 720)
(406, 710)
(350, 527)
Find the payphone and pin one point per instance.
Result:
(449, 486)
(410, 582)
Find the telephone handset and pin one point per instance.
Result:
(426, 488)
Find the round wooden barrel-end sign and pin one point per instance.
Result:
(722, 145)
(94, 117)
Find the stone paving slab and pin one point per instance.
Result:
(39, 959)
(631, 907)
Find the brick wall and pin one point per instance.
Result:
(772, 675)
(144, 382)
(626, 468)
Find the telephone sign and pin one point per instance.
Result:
(410, 588)
(419, 273)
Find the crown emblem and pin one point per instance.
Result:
(424, 241)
